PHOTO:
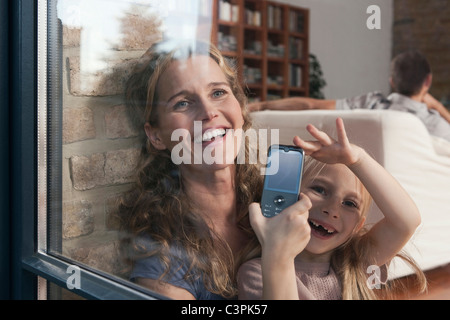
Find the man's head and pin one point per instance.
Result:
(410, 73)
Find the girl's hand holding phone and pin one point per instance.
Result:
(282, 238)
(285, 235)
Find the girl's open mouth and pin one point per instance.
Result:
(321, 231)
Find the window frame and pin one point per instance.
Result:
(5, 269)
(31, 267)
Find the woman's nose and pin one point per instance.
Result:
(207, 110)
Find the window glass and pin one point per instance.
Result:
(281, 49)
(92, 46)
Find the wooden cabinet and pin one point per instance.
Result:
(269, 42)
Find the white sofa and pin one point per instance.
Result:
(400, 142)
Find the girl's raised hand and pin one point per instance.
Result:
(328, 150)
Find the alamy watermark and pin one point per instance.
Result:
(374, 20)
(230, 151)
(374, 280)
(74, 280)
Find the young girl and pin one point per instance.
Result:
(326, 253)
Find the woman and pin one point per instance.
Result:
(187, 225)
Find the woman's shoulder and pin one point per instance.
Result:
(160, 258)
(171, 266)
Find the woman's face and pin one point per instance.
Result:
(335, 214)
(197, 113)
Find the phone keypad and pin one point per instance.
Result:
(279, 201)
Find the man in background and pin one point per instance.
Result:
(410, 80)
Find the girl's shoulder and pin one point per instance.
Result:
(249, 280)
(252, 265)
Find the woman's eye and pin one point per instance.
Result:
(181, 104)
(218, 93)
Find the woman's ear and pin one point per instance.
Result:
(154, 136)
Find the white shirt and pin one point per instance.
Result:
(436, 125)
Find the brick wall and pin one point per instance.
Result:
(425, 26)
(100, 148)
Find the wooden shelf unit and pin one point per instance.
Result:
(269, 42)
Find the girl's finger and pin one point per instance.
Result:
(341, 133)
(254, 213)
(308, 146)
(321, 136)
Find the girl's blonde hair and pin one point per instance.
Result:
(158, 207)
(351, 259)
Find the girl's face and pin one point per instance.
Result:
(196, 90)
(335, 214)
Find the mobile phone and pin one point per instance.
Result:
(282, 178)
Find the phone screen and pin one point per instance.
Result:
(285, 169)
(282, 179)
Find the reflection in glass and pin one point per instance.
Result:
(93, 147)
